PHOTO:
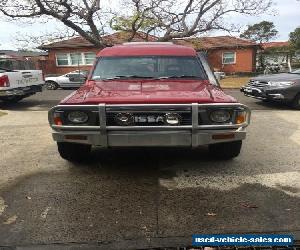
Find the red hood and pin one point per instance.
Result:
(147, 91)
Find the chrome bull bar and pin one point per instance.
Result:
(104, 131)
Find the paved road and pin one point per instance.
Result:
(142, 198)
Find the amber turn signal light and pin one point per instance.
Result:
(76, 137)
(57, 121)
(222, 136)
(240, 118)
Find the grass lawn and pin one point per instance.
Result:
(2, 113)
(233, 82)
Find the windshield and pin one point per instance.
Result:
(148, 67)
(297, 71)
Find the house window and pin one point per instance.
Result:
(89, 58)
(229, 57)
(75, 59)
(62, 59)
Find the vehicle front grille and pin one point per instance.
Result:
(255, 83)
(148, 115)
(148, 118)
(164, 116)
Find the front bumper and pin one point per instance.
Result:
(176, 138)
(192, 135)
(29, 90)
(285, 94)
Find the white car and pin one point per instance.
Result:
(219, 75)
(72, 79)
(18, 84)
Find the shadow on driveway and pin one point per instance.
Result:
(118, 201)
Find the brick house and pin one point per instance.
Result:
(225, 53)
(77, 53)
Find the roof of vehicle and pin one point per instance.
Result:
(147, 49)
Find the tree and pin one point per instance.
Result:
(260, 32)
(28, 41)
(178, 19)
(81, 16)
(139, 20)
(295, 39)
(168, 18)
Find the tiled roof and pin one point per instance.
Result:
(116, 38)
(206, 43)
(198, 43)
(21, 54)
(275, 45)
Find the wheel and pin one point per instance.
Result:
(225, 150)
(296, 102)
(50, 85)
(73, 152)
(12, 99)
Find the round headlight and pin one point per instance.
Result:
(124, 119)
(78, 117)
(172, 118)
(220, 116)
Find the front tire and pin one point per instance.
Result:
(296, 102)
(51, 85)
(12, 99)
(73, 152)
(225, 150)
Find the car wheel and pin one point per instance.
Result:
(225, 150)
(73, 152)
(51, 85)
(12, 99)
(296, 102)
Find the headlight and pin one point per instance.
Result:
(124, 119)
(220, 116)
(78, 117)
(281, 84)
(172, 119)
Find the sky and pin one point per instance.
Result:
(286, 17)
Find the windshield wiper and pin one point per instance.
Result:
(127, 76)
(181, 76)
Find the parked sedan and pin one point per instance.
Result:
(73, 79)
(283, 87)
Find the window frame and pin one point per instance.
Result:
(80, 58)
(227, 52)
(56, 57)
(84, 58)
(198, 61)
(82, 55)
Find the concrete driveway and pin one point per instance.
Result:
(145, 198)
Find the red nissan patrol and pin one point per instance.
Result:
(149, 95)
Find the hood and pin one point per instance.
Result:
(148, 91)
(277, 77)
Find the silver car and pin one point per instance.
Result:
(72, 79)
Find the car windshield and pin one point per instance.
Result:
(148, 67)
(297, 71)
